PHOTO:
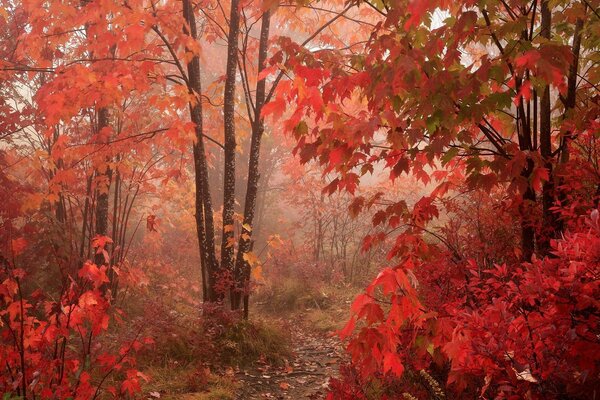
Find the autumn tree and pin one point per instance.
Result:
(469, 96)
(231, 272)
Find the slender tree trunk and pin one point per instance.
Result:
(242, 268)
(548, 216)
(203, 207)
(115, 224)
(227, 246)
(86, 211)
(529, 196)
(527, 226)
(103, 188)
(570, 103)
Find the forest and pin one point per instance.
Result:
(299, 199)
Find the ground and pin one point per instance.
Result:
(312, 355)
(315, 358)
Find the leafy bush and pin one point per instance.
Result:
(49, 348)
(527, 330)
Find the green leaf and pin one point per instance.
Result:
(430, 349)
(301, 128)
(449, 155)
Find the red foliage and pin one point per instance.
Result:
(429, 98)
(509, 331)
(49, 348)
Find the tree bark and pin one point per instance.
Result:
(103, 192)
(84, 223)
(548, 216)
(227, 247)
(203, 201)
(242, 268)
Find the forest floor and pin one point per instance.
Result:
(315, 358)
(298, 352)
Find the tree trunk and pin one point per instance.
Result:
(103, 178)
(86, 212)
(227, 246)
(203, 207)
(242, 268)
(548, 216)
(570, 103)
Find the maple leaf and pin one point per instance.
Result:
(528, 59)
(393, 364)
(416, 9)
(360, 302)
(348, 328)
(356, 206)
(88, 299)
(539, 176)
(336, 155)
(251, 258)
(276, 108)
(93, 273)
(387, 279)
(99, 242)
(524, 92)
(228, 228)
(131, 385)
(257, 273)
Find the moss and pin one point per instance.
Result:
(324, 321)
(190, 383)
(217, 394)
(292, 294)
(168, 379)
(245, 342)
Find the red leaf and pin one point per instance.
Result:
(348, 329)
(94, 274)
(275, 108)
(529, 59)
(336, 155)
(538, 176)
(392, 363)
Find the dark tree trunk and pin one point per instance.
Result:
(569, 103)
(242, 268)
(86, 212)
(527, 223)
(115, 223)
(529, 197)
(548, 216)
(203, 207)
(227, 246)
(103, 189)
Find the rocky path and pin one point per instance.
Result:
(315, 358)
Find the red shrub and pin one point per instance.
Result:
(49, 348)
(526, 330)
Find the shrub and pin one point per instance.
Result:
(525, 330)
(49, 348)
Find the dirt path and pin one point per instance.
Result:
(315, 358)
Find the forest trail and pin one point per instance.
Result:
(314, 360)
